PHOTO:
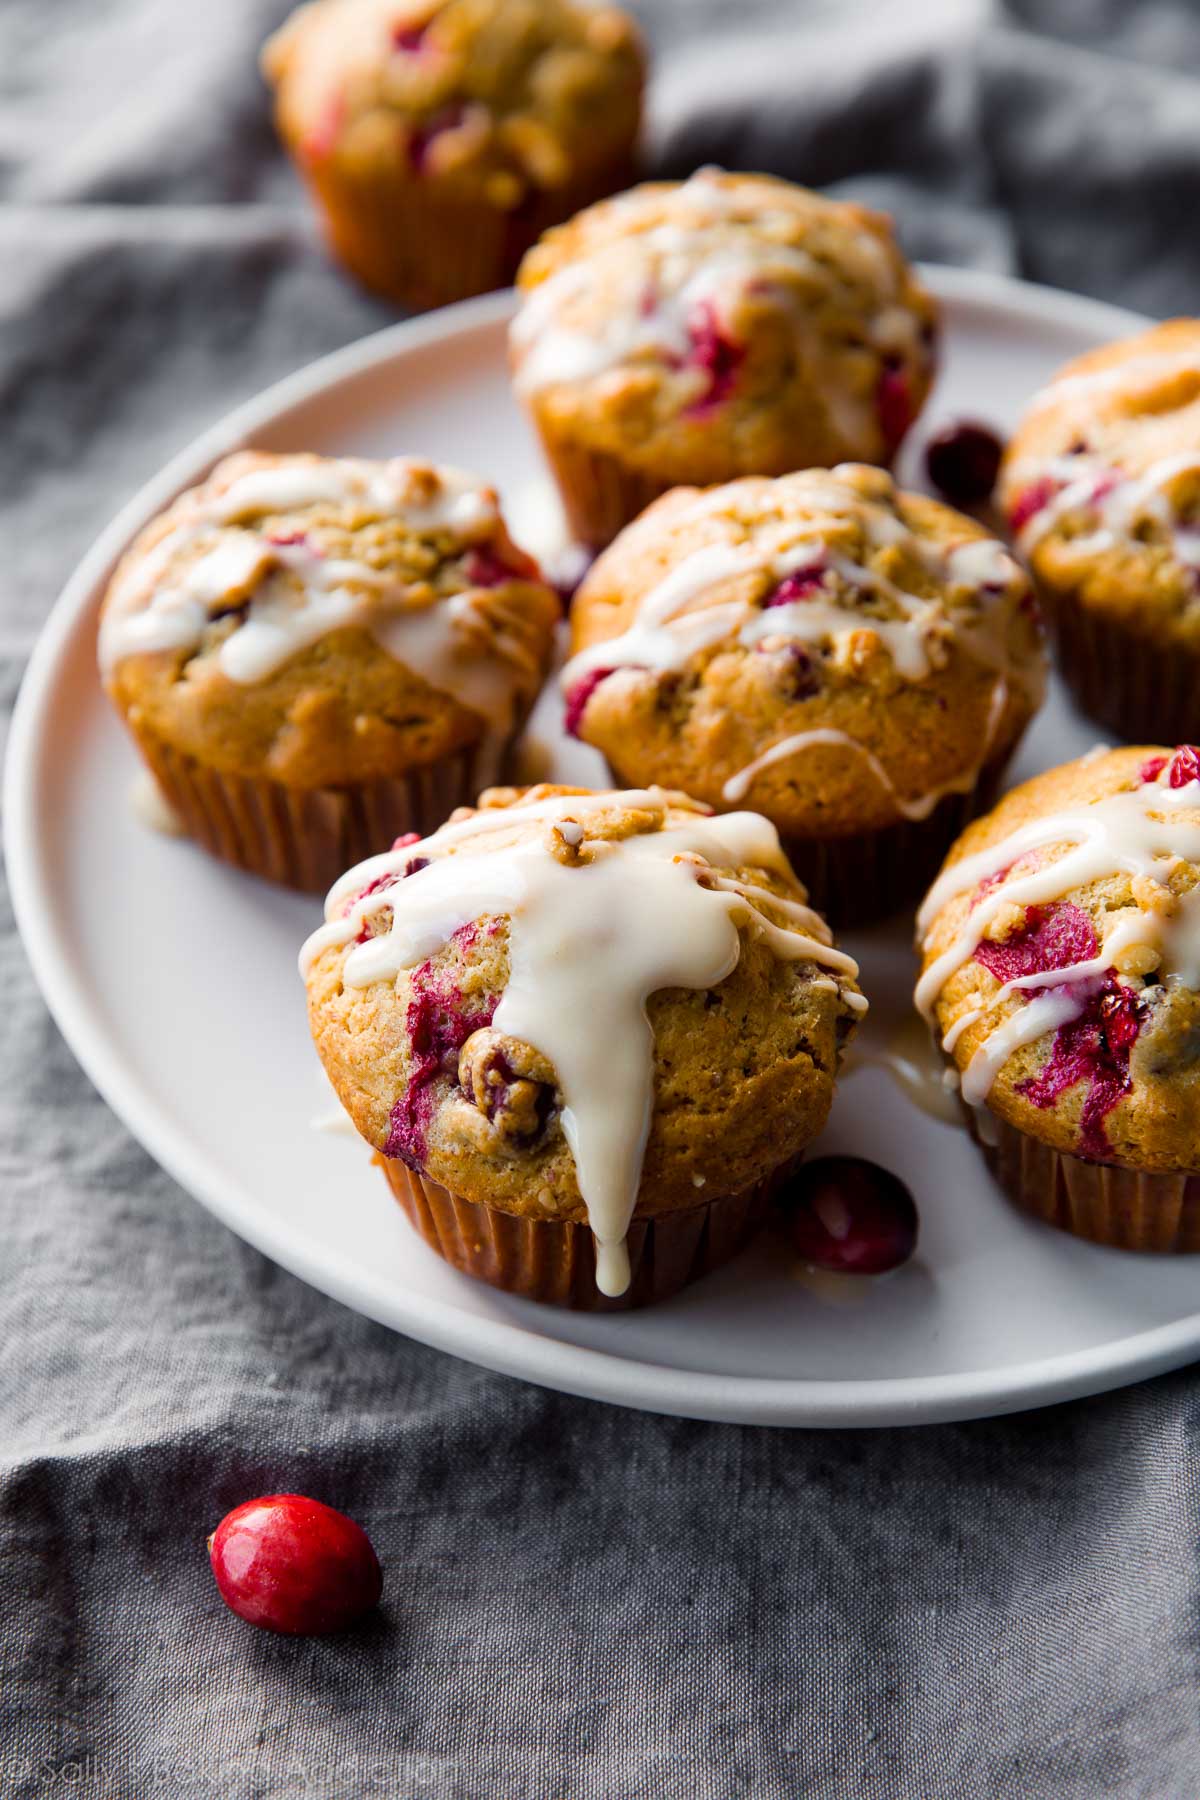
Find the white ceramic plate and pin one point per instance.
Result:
(174, 980)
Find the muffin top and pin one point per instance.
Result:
(1101, 482)
(727, 324)
(1061, 958)
(322, 620)
(565, 1000)
(838, 651)
(504, 97)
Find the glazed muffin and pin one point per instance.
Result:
(1101, 485)
(439, 138)
(729, 325)
(586, 1033)
(314, 655)
(855, 662)
(1061, 973)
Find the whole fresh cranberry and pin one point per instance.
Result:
(962, 462)
(848, 1215)
(290, 1564)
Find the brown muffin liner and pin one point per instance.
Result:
(1127, 1209)
(423, 246)
(555, 1260)
(868, 876)
(1143, 691)
(307, 837)
(600, 494)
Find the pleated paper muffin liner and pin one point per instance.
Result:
(307, 837)
(1141, 690)
(1128, 1209)
(424, 246)
(600, 493)
(554, 1260)
(867, 876)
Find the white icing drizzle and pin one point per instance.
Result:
(588, 944)
(909, 1056)
(294, 594)
(738, 786)
(669, 627)
(1138, 832)
(151, 807)
(1119, 501)
(1070, 993)
(658, 277)
(1043, 1015)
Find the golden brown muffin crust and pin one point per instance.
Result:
(1101, 482)
(341, 708)
(702, 720)
(730, 324)
(497, 97)
(743, 1072)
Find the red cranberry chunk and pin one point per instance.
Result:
(290, 1564)
(850, 1216)
(422, 136)
(1052, 937)
(1185, 766)
(895, 403)
(801, 584)
(1151, 769)
(713, 351)
(1094, 1048)
(484, 569)
(962, 462)
(410, 39)
(578, 696)
(439, 1021)
(1031, 501)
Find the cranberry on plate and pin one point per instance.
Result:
(849, 1216)
(963, 460)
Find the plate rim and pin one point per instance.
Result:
(504, 1346)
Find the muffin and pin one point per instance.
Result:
(1061, 973)
(855, 662)
(439, 138)
(729, 325)
(314, 655)
(1101, 485)
(586, 1034)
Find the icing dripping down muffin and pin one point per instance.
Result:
(573, 1008)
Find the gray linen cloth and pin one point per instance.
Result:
(581, 1602)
